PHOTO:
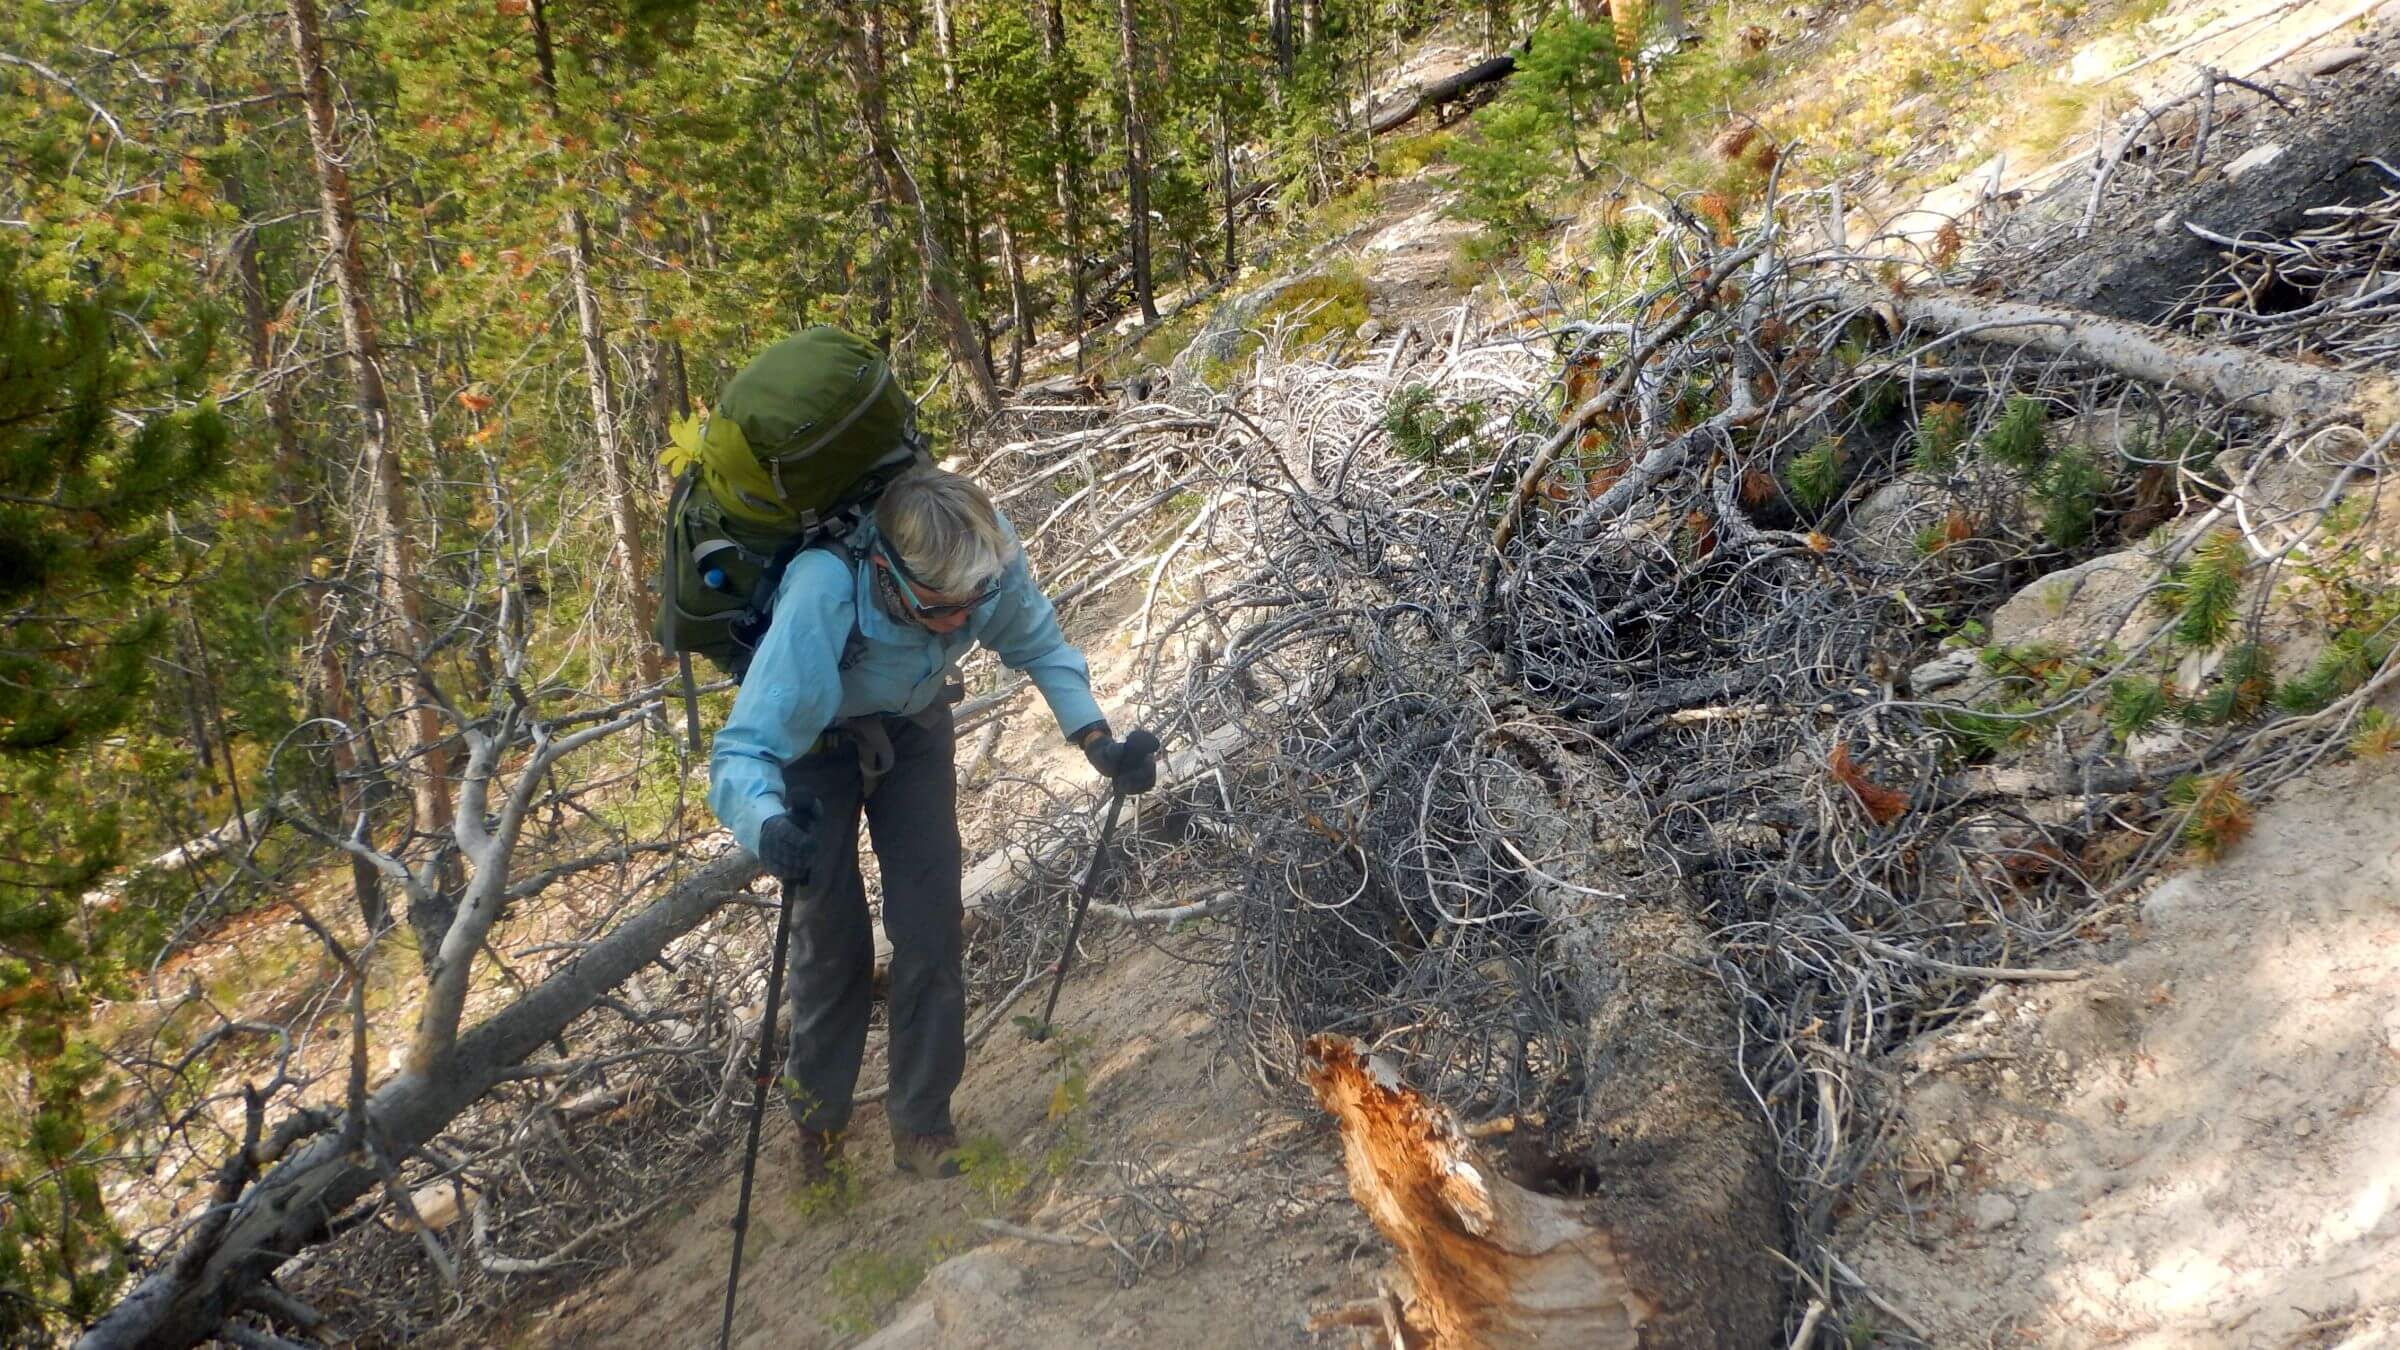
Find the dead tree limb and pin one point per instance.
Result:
(188, 1299)
(2237, 378)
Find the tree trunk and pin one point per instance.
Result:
(327, 693)
(1484, 1263)
(616, 474)
(1661, 1241)
(291, 1206)
(1020, 304)
(2233, 376)
(1137, 165)
(388, 514)
(861, 34)
(1054, 47)
(1233, 257)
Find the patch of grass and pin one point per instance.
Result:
(1413, 154)
(862, 1288)
(2051, 116)
(1165, 342)
(1328, 303)
(990, 1172)
(2377, 734)
(1476, 256)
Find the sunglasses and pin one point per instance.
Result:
(908, 583)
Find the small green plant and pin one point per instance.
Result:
(1814, 476)
(837, 1195)
(2069, 489)
(2244, 681)
(862, 1287)
(2137, 703)
(2204, 592)
(2348, 661)
(2376, 735)
(990, 1172)
(1422, 430)
(2019, 438)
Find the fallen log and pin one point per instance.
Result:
(186, 1300)
(1444, 92)
(1654, 1210)
(2233, 376)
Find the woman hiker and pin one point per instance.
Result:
(844, 711)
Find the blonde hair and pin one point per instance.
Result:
(945, 530)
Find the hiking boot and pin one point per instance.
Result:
(925, 1155)
(813, 1154)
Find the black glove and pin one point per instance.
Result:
(787, 844)
(1130, 765)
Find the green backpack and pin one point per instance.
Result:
(798, 447)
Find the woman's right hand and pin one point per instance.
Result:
(787, 844)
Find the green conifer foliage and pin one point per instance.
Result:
(97, 445)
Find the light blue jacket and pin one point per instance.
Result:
(796, 687)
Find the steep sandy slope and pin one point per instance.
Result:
(2199, 1145)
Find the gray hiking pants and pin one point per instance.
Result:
(912, 816)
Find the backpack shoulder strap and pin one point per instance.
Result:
(854, 646)
(750, 627)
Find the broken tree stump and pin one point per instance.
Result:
(1484, 1262)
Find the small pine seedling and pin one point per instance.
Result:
(1815, 474)
(2069, 489)
(2245, 680)
(2136, 703)
(2019, 439)
(2216, 815)
(1941, 430)
(2204, 592)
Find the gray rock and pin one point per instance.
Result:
(1941, 672)
(2084, 606)
(1370, 330)
(2332, 60)
(1993, 1211)
(2252, 160)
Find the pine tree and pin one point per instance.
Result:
(98, 445)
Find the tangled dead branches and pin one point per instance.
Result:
(1748, 623)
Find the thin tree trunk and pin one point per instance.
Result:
(860, 27)
(1233, 259)
(327, 694)
(388, 491)
(616, 475)
(1137, 165)
(1020, 304)
(1054, 47)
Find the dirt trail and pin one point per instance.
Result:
(1280, 1230)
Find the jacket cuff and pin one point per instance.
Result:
(1075, 737)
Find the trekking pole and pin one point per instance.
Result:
(760, 1080)
(1083, 906)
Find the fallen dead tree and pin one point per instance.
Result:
(1444, 93)
(256, 1225)
(1612, 770)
